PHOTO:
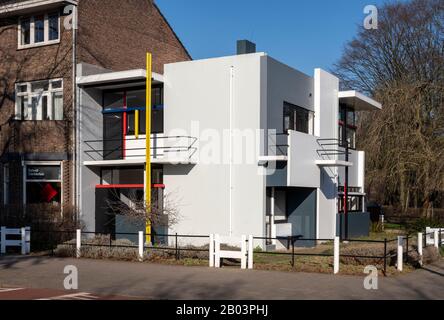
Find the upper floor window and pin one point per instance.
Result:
(298, 119)
(39, 100)
(347, 127)
(39, 30)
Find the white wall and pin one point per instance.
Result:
(326, 127)
(202, 92)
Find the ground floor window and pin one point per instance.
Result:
(43, 184)
(354, 203)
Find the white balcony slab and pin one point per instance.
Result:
(264, 159)
(138, 162)
(333, 163)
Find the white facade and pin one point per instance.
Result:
(235, 180)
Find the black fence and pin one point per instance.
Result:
(173, 244)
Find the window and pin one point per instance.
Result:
(298, 119)
(43, 184)
(355, 203)
(39, 100)
(347, 127)
(39, 30)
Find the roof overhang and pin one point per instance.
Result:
(138, 162)
(117, 78)
(358, 101)
(18, 8)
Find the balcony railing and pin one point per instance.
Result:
(330, 147)
(178, 147)
(278, 144)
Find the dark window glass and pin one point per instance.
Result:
(131, 126)
(39, 29)
(136, 99)
(113, 100)
(53, 21)
(296, 118)
(26, 31)
(43, 192)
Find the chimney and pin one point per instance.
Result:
(245, 47)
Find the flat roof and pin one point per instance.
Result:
(11, 8)
(110, 78)
(358, 101)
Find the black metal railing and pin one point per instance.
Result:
(95, 150)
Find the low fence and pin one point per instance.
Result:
(22, 239)
(173, 246)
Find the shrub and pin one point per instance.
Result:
(420, 224)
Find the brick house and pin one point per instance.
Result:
(38, 52)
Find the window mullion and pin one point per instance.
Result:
(32, 31)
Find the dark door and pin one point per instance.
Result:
(113, 136)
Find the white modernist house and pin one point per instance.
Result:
(242, 145)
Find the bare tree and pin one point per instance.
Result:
(163, 213)
(402, 65)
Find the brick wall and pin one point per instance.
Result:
(116, 34)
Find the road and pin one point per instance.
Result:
(114, 279)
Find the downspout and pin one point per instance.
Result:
(76, 115)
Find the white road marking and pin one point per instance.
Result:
(2, 290)
(74, 296)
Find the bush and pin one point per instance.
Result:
(420, 224)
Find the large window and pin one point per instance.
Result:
(39, 100)
(355, 203)
(39, 30)
(298, 119)
(43, 184)
(347, 127)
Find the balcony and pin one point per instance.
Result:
(132, 151)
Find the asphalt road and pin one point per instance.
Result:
(155, 281)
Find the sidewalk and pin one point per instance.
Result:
(156, 281)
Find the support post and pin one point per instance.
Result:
(420, 247)
(385, 257)
(217, 251)
(78, 242)
(23, 240)
(28, 240)
(211, 251)
(436, 239)
(141, 245)
(244, 252)
(336, 256)
(250, 251)
(400, 252)
(3, 240)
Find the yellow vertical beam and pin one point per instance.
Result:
(148, 144)
(136, 124)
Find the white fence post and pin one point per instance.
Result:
(250, 251)
(400, 251)
(78, 242)
(420, 247)
(28, 240)
(3, 240)
(211, 251)
(244, 252)
(217, 251)
(23, 240)
(336, 256)
(141, 246)
(436, 239)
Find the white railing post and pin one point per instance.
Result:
(28, 240)
(78, 242)
(23, 240)
(141, 246)
(217, 251)
(400, 252)
(250, 251)
(336, 256)
(436, 239)
(420, 247)
(244, 252)
(3, 240)
(211, 251)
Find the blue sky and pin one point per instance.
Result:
(304, 34)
